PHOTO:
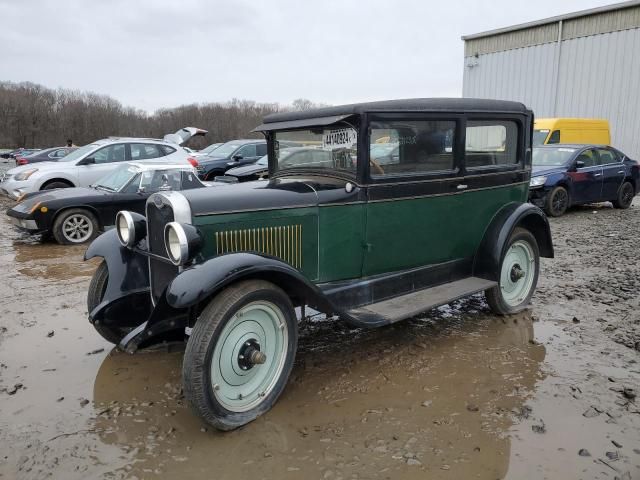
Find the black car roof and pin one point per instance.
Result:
(329, 115)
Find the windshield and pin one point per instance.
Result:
(79, 153)
(539, 137)
(551, 157)
(332, 148)
(263, 160)
(210, 148)
(117, 179)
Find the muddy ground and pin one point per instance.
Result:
(457, 393)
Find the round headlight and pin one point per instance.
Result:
(182, 242)
(131, 228)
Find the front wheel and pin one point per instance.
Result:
(75, 226)
(518, 274)
(97, 289)
(557, 202)
(240, 354)
(625, 196)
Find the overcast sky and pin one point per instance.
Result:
(160, 53)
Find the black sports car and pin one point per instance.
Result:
(76, 215)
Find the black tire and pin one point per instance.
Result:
(495, 297)
(97, 289)
(557, 202)
(626, 192)
(197, 364)
(63, 229)
(52, 185)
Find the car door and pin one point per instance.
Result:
(411, 217)
(494, 174)
(249, 154)
(586, 177)
(613, 173)
(97, 164)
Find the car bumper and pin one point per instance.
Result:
(538, 196)
(28, 225)
(13, 189)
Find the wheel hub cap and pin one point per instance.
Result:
(249, 356)
(518, 270)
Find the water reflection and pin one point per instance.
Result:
(421, 396)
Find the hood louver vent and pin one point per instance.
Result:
(284, 242)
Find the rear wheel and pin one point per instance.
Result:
(557, 202)
(625, 196)
(519, 270)
(240, 354)
(75, 226)
(97, 289)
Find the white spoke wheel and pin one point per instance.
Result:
(519, 270)
(75, 226)
(240, 354)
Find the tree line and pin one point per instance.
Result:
(34, 116)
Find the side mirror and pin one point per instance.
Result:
(580, 164)
(237, 157)
(88, 161)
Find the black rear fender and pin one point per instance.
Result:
(198, 284)
(496, 236)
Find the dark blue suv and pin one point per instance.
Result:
(235, 153)
(566, 175)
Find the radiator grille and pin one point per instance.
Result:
(161, 273)
(284, 242)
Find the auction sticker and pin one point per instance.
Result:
(343, 138)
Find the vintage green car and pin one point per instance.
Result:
(440, 214)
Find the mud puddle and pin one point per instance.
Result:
(457, 393)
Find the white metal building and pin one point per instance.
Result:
(583, 64)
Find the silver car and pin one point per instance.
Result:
(87, 164)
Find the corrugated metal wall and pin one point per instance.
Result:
(599, 76)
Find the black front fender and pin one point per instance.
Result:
(496, 236)
(198, 283)
(128, 271)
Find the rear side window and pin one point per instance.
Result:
(491, 143)
(607, 156)
(554, 137)
(261, 149)
(144, 151)
(399, 147)
(167, 150)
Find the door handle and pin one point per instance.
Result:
(462, 187)
(597, 174)
(620, 171)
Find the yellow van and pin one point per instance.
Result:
(571, 130)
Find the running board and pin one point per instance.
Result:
(414, 303)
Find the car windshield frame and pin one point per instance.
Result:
(339, 139)
(79, 153)
(565, 154)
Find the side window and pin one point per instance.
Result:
(554, 137)
(261, 149)
(154, 181)
(491, 143)
(110, 154)
(144, 151)
(58, 153)
(410, 146)
(606, 156)
(166, 150)
(588, 157)
(190, 180)
(247, 151)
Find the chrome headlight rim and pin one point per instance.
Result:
(182, 243)
(127, 240)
